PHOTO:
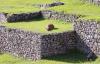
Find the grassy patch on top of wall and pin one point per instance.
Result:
(40, 26)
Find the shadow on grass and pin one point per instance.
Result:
(32, 20)
(69, 58)
(55, 28)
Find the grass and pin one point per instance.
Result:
(39, 26)
(71, 6)
(77, 7)
(72, 58)
(20, 6)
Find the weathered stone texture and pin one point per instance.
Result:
(34, 45)
(59, 43)
(23, 16)
(3, 18)
(20, 43)
(97, 2)
(49, 5)
(88, 36)
(46, 14)
(59, 16)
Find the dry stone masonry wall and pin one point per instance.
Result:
(2, 18)
(58, 43)
(20, 43)
(23, 16)
(46, 14)
(34, 45)
(49, 5)
(88, 36)
(97, 2)
(59, 16)
(85, 37)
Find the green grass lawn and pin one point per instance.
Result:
(77, 7)
(71, 6)
(72, 58)
(20, 6)
(39, 26)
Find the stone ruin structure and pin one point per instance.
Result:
(97, 2)
(85, 37)
(48, 5)
(2, 18)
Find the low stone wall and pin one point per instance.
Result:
(46, 14)
(88, 36)
(59, 43)
(2, 18)
(23, 16)
(35, 46)
(59, 16)
(20, 43)
(49, 5)
(96, 2)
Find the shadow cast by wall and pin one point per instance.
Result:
(85, 49)
(33, 20)
(36, 16)
(76, 56)
(72, 57)
(68, 58)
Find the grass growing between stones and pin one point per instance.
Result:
(72, 58)
(40, 26)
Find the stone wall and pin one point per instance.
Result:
(23, 16)
(48, 5)
(59, 43)
(20, 43)
(34, 45)
(97, 2)
(59, 16)
(46, 14)
(2, 18)
(88, 36)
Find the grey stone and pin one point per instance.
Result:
(34, 45)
